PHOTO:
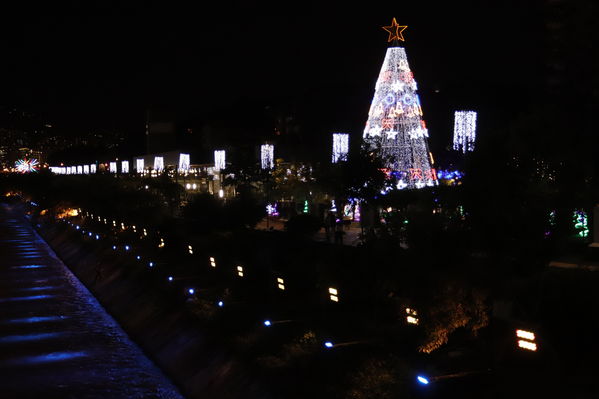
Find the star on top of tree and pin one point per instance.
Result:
(395, 31)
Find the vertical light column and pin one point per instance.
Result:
(219, 160)
(267, 152)
(184, 161)
(464, 131)
(340, 147)
(158, 164)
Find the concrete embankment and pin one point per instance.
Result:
(162, 327)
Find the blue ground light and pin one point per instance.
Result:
(47, 358)
(422, 380)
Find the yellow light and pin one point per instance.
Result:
(411, 311)
(280, 280)
(395, 31)
(240, 271)
(531, 346)
(333, 291)
(412, 320)
(281, 287)
(212, 261)
(145, 232)
(334, 298)
(525, 335)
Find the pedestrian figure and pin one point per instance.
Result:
(339, 233)
(329, 225)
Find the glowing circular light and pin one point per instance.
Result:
(267, 323)
(422, 380)
(170, 278)
(328, 344)
(220, 304)
(27, 165)
(191, 291)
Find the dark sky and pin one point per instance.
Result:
(102, 65)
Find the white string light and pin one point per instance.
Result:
(219, 159)
(184, 163)
(267, 152)
(158, 164)
(340, 147)
(395, 129)
(112, 167)
(139, 165)
(464, 131)
(125, 167)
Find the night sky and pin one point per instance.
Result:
(102, 66)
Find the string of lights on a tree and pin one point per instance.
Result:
(395, 129)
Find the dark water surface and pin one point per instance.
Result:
(56, 341)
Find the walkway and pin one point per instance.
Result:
(56, 341)
(351, 236)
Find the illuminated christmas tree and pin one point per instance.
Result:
(395, 130)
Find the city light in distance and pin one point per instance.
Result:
(422, 380)
(328, 344)
(281, 283)
(212, 261)
(191, 291)
(267, 323)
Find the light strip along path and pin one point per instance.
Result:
(56, 341)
